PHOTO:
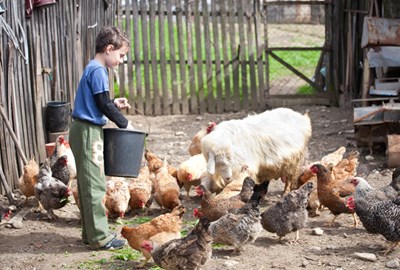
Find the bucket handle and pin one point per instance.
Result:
(148, 124)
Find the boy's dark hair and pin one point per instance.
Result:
(110, 35)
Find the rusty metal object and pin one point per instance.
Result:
(393, 151)
(380, 31)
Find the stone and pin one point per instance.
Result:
(317, 231)
(393, 264)
(180, 133)
(369, 158)
(316, 249)
(366, 256)
(230, 263)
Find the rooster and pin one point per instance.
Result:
(195, 145)
(50, 192)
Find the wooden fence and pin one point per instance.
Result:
(193, 56)
(41, 58)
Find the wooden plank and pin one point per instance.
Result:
(243, 55)
(218, 68)
(137, 54)
(207, 47)
(131, 90)
(193, 95)
(7, 188)
(235, 52)
(248, 7)
(145, 50)
(199, 57)
(260, 47)
(163, 63)
(122, 67)
(182, 65)
(225, 47)
(154, 66)
(275, 101)
(174, 77)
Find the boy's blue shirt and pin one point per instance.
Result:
(93, 81)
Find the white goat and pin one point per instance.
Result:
(272, 144)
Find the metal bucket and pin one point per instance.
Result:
(123, 152)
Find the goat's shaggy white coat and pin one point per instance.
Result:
(272, 144)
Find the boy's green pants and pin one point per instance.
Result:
(86, 142)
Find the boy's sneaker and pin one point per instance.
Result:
(114, 244)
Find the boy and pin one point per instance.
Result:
(92, 106)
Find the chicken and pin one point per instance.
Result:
(213, 185)
(242, 226)
(166, 189)
(5, 213)
(334, 157)
(367, 192)
(236, 186)
(212, 207)
(29, 179)
(289, 214)
(140, 190)
(379, 217)
(156, 163)
(61, 149)
(340, 169)
(74, 189)
(60, 169)
(166, 225)
(188, 253)
(117, 197)
(51, 193)
(190, 171)
(195, 145)
(333, 193)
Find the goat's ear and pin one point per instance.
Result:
(211, 163)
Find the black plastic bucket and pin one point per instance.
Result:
(123, 152)
(57, 116)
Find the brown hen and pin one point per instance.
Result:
(333, 193)
(164, 225)
(29, 179)
(141, 190)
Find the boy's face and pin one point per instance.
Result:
(115, 57)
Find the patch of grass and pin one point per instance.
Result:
(217, 246)
(141, 220)
(306, 90)
(92, 264)
(126, 254)
(188, 226)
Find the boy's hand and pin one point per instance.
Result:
(122, 103)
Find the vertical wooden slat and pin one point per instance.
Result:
(137, 55)
(163, 63)
(217, 43)
(172, 53)
(243, 56)
(260, 47)
(193, 95)
(182, 64)
(145, 43)
(235, 51)
(251, 50)
(199, 57)
(207, 46)
(154, 64)
(122, 67)
(225, 47)
(129, 64)
(267, 81)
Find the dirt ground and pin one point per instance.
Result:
(43, 244)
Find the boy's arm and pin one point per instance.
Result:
(106, 106)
